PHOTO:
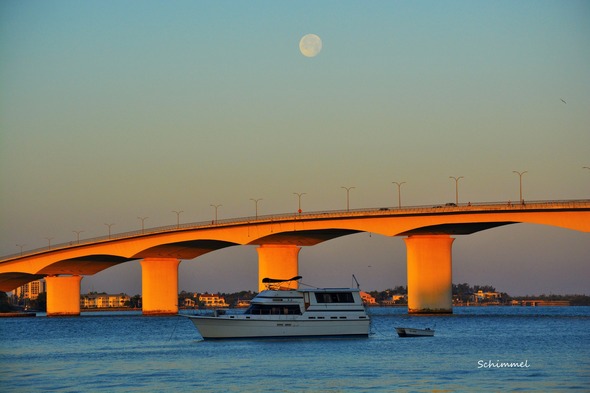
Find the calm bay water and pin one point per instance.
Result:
(126, 352)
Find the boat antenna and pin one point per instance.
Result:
(357, 283)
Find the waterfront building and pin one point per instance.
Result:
(368, 299)
(103, 300)
(188, 302)
(395, 300)
(212, 300)
(398, 299)
(30, 290)
(482, 296)
(243, 303)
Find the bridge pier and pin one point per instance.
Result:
(159, 286)
(63, 295)
(429, 263)
(277, 261)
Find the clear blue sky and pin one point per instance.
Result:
(110, 110)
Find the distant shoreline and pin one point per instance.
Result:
(17, 314)
(24, 314)
(109, 309)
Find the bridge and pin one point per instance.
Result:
(428, 232)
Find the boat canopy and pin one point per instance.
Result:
(267, 280)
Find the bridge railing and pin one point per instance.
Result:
(286, 217)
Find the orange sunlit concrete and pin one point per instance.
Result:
(159, 286)
(277, 261)
(63, 295)
(429, 265)
(279, 239)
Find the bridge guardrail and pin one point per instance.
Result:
(286, 217)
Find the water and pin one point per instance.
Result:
(126, 352)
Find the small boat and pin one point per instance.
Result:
(282, 311)
(411, 332)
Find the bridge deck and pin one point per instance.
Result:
(449, 209)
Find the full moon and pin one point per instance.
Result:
(310, 45)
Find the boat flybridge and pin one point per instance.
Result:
(284, 310)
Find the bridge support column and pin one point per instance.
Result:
(63, 295)
(277, 261)
(430, 285)
(159, 286)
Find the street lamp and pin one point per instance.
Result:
(109, 225)
(216, 207)
(142, 222)
(348, 197)
(299, 195)
(48, 242)
(78, 236)
(520, 183)
(456, 187)
(256, 205)
(177, 217)
(399, 193)
(21, 248)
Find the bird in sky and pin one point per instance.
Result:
(562, 100)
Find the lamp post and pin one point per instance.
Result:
(109, 225)
(48, 242)
(256, 205)
(348, 197)
(78, 236)
(215, 207)
(299, 195)
(399, 193)
(21, 248)
(142, 222)
(177, 217)
(456, 187)
(520, 183)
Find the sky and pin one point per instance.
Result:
(114, 110)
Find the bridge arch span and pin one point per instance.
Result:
(429, 227)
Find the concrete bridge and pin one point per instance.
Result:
(427, 232)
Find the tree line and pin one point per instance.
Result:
(461, 293)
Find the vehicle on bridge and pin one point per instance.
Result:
(280, 311)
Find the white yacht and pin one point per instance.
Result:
(281, 311)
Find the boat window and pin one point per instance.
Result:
(268, 309)
(334, 297)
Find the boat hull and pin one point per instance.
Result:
(227, 327)
(409, 332)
